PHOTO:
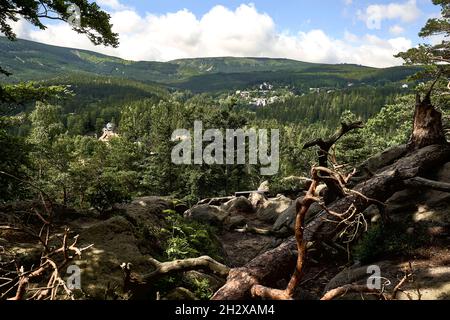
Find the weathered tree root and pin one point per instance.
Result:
(139, 283)
(348, 288)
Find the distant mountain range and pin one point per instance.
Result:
(29, 60)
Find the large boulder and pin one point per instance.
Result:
(211, 215)
(429, 207)
(257, 200)
(285, 223)
(271, 209)
(381, 160)
(234, 222)
(439, 199)
(140, 209)
(114, 242)
(237, 206)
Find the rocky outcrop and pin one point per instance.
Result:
(257, 199)
(237, 206)
(270, 209)
(234, 222)
(211, 215)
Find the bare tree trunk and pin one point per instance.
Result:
(427, 126)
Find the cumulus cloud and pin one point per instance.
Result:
(221, 32)
(376, 13)
(111, 4)
(396, 30)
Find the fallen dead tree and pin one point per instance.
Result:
(380, 187)
(427, 149)
(271, 266)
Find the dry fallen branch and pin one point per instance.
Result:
(52, 261)
(138, 283)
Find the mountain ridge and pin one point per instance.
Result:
(29, 60)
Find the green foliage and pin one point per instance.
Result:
(326, 108)
(434, 57)
(106, 191)
(94, 22)
(22, 93)
(189, 239)
(14, 159)
(386, 240)
(202, 289)
(46, 123)
(390, 127)
(80, 171)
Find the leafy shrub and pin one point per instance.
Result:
(202, 289)
(189, 239)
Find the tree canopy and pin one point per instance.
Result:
(93, 21)
(436, 57)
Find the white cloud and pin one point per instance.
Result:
(222, 32)
(348, 2)
(112, 4)
(350, 37)
(376, 13)
(396, 30)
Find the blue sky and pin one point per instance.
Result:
(365, 32)
(332, 16)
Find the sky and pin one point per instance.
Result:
(367, 32)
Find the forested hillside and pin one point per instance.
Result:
(36, 61)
